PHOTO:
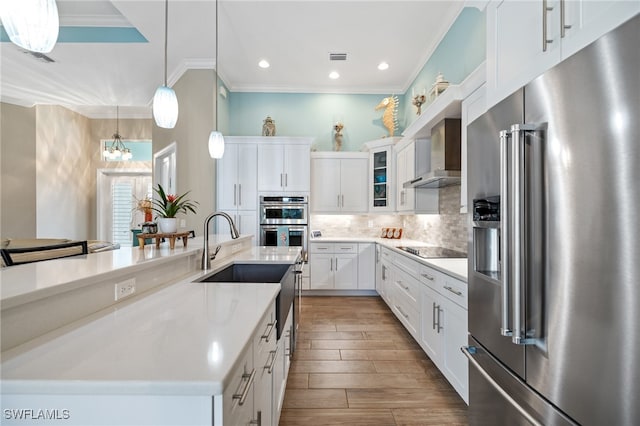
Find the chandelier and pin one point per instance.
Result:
(117, 150)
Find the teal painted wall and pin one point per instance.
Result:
(312, 114)
(309, 114)
(460, 52)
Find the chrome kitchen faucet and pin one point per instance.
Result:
(206, 257)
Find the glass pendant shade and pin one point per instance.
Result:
(165, 107)
(31, 24)
(216, 144)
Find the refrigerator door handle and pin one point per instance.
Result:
(517, 205)
(468, 351)
(505, 270)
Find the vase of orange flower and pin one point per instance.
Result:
(168, 206)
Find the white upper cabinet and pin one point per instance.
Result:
(382, 187)
(339, 182)
(237, 177)
(283, 164)
(472, 107)
(405, 171)
(525, 38)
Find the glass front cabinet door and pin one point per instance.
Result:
(381, 175)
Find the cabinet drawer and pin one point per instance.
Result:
(431, 277)
(407, 286)
(265, 338)
(339, 248)
(240, 382)
(321, 248)
(409, 265)
(454, 290)
(406, 312)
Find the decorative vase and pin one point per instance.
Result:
(167, 225)
(148, 215)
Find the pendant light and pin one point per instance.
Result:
(117, 149)
(165, 101)
(216, 140)
(31, 24)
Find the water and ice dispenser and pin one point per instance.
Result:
(486, 236)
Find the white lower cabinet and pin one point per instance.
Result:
(334, 266)
(250, 397)
(366, 266)
(281, 369)
(432, 306)
(444, 326)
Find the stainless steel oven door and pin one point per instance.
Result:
(284, 235)
(290, 214)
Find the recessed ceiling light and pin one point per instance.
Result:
(383, 66)
(334, 75)
(263, 64)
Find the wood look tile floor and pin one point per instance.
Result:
(355, 364)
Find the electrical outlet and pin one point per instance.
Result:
(370, 224)
(183, 223)
(236, 248)
(125, 288)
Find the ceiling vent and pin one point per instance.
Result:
(40, 56)
(337, 56)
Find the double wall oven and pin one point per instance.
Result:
(284, 221)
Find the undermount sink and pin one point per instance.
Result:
(262, 273)
(248, 273)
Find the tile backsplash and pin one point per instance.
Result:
(447, 229)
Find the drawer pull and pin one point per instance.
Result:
(258, 420)
(269, 367)
(243, 395)
(402, 312)
(427, 276)
(269, 331)
(346, 248)
(456, 292)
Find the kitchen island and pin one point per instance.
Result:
(162, 358)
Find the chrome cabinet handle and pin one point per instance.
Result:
(269, 331)
(331, 266)
(338, 200)
(342, 200)
(456, 292)
(235, 197)
(239, 194)
(439, 325)
(433, 316)
(402, 312)
(563, 26)
(281, 179)
(258, 420)
(545, 11)
(384, 272)
(286, 179)
(427, 276)
(269, 367)
(242, 396)
(336, 263)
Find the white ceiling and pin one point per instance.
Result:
(295, 36)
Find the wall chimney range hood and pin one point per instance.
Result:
(445, 157)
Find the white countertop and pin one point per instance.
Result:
(183, 339)
(31, 281)
(458, 268)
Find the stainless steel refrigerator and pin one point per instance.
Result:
(554, 278)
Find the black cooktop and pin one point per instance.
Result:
(431, 252)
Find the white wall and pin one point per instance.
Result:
(17, 171)
(195, 168)
(63, 173)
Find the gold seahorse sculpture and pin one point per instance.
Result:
(390, 114)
